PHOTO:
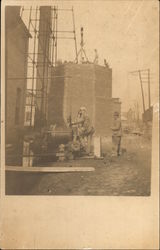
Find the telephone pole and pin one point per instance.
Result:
(144, 77)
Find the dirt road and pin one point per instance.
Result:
(127, 175)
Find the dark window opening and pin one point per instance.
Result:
(18, 106)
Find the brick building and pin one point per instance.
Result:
(76, 85)
(16, 42)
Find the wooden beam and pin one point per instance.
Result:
(49, 169)
(86, 157)
(90, 157)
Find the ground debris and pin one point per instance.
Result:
(127, 175)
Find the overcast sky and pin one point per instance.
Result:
(126, 33)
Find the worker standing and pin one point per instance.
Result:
(96, 57)
(116, 135)
(84, 128)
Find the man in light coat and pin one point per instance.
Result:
(116, 135)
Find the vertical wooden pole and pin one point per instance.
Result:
(142, 90)
(149, 91)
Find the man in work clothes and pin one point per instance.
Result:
(116, 135)
(84, 128)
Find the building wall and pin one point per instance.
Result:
(16, 70)
(79, 89)
(71, 88)
(56, 97)
(103, 82)
(76, 85)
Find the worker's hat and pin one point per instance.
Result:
(82, 108)
(116, 113)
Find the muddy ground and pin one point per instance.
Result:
(127, 175)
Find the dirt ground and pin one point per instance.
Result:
(127, 175)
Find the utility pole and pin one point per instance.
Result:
(144, 77)
(149, 90)
(140, 78)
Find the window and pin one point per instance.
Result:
(18, 106)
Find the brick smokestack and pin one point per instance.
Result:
(43, 62)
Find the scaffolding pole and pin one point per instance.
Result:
(49, 58)
(33, 71)
(74, 31)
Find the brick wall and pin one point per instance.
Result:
(79, 89)
(56, 97)
(79, 85)
(103, 82)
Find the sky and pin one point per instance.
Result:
(125, 32)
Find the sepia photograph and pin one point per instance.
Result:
(81, 80)
(79, 124)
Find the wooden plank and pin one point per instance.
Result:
(49, 169)
(90, 157)
(86, 157)
(99, 158)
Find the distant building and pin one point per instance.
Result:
(16, 42)
(76, 85)
(147, 116)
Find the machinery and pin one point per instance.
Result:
(58, 144)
